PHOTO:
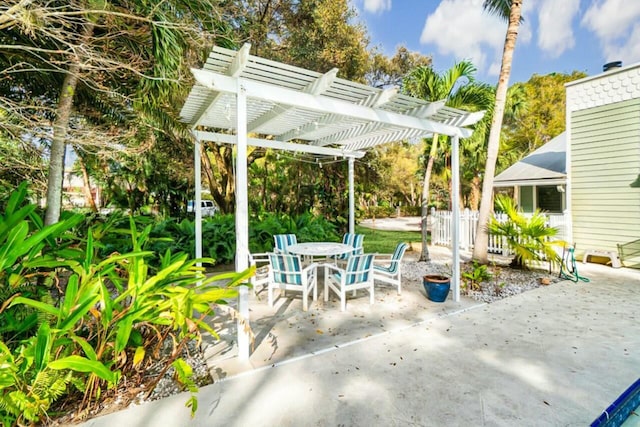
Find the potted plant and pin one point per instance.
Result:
(436, 286)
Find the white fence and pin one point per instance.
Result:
(441, 229)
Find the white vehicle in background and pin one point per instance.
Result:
(208, 208)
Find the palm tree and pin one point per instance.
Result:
(128, 55)
(423, 82)
(509, 10)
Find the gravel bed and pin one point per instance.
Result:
(504, 282)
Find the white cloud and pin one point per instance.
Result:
(461, 28)
(628, 51)
(555, 32)
(377, 6)
(616, 24)
(611, 19)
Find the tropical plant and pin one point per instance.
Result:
(509, 10)
(88, 60)
(528, 237)
(473, 277)
(29, 251)
(426, 83)
(106, 318)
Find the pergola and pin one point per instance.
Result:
(290, 108)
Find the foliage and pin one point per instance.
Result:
(389, 72)
(473, 278)
(541, 120)
(109, 75)
(457, 87)
(106, 319)
(28, 252)
(529, 238)
(306, 227)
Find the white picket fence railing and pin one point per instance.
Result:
(441, 229)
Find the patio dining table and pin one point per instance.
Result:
(319, 249)
(311, 250)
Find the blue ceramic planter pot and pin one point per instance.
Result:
(437, 287)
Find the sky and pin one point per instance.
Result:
(556, 36)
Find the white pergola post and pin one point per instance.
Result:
(352, 205)
(455, 213)
(197, 200)
(242, 220)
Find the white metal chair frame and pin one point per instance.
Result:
(260, 279)
(286, 273)
(358, 274)
(388, 267)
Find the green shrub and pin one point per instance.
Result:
(407, 210)
(379, 212)
(107, 316)
(529, 238)
(474, 277)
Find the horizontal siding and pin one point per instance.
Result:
(605, 159)
(603, 129)
(587, 173)
(614, 195)
(610, 110)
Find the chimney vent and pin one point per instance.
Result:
(609, 65)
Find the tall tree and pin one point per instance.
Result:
(389, 72)
(424, 82)
(544, 117)
(126, 56)
(511, 10)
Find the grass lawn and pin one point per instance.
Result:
(383, 241)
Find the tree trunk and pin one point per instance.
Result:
(424, 254)
(58, 145)
(58, 142)
(474, 198)
(87, 185)
(482, 238)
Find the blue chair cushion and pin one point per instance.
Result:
(354, 240)
(358, 268)
(286, 268)
(282, 241)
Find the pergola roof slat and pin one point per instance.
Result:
(318, 109)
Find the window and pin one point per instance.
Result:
(549, 199)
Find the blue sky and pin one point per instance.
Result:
(557, 35)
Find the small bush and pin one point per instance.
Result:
(530, 238)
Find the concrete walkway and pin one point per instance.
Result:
(557, 355)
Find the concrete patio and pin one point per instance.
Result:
(557, 355)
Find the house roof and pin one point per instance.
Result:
(295, 107)
(545, 166)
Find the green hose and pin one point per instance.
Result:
(568, 267)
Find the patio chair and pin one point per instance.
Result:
(387, 267)
(287, 274)
(282, 241)
(358, 274)
(260, 279)
(354, 240)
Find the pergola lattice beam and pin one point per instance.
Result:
(236, 67)
(317, 87)
(257, 90)
(278, 145)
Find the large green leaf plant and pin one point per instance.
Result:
(528, 237)
(108, 317)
